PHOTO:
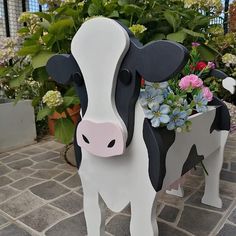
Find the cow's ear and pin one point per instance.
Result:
(160, 60)
(62, 68)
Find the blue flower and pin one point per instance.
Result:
(177, 119)
(158, 114)
(201, 102)
(150, 96)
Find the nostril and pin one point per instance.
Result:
(85, 139)
(112, 143)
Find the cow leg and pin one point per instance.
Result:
(143, 216)
(94, 212)
(213, 164)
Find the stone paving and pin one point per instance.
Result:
(40, 194)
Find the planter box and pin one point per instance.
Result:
(17, 124)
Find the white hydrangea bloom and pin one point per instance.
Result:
(229, 59)
(53, 99)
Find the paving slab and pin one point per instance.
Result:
(73, 182)
(45, 156)
(33, 151)
(25, 183)
(14, 157)
(17, 165)
(195, 200)
(42, 218)
(62, 176)
(4, 180)
(227, 230)
(19, 174)
(70, 203)
(169, 213)
(21, 204)
(44, 165)
(49, 190)
(232, 216)
(46, 174)
(4, 170)
(6, 193)
(199, 222)
(72, 226)
(13, 230)
(3, 220)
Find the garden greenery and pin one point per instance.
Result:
(44, 34)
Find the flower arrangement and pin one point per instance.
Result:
(169, 104)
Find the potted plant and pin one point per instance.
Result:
(63, 113)
(17, 121)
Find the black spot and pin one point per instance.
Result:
(112, 143)
(192, 160)
(125, 76)
(85, 139)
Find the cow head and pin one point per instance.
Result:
(106, 66)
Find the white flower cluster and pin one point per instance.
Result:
(8, 49)
(216, 4)
(53, 99)
(229, 59)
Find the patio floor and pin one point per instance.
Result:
(42, 195)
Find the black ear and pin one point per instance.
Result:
(218, 74)
(160, 60)
(62, 68)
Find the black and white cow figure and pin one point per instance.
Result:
(121, 158)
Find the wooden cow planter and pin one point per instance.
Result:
(121, 158)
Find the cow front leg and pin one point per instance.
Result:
(213, 165)
(143, 217)
(94, 211)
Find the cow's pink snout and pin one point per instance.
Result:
(101, 139)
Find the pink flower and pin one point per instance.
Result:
(211, 65)
(207, 94)
(190, 81)
(195, 44)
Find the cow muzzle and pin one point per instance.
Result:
(101, 139)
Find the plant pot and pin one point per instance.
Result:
(17, 124)
(74, 113)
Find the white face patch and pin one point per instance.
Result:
(99, 47)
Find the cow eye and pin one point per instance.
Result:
(125, 76)
(78, 79)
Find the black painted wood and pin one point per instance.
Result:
(158, 141)
(192, 160)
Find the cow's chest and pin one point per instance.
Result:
(120, 179)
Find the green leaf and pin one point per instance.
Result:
(207, 53)
(94, 10)
(158, 36)
(123, 2)
(46, 111)
(70, 100)
(61, 25)
(179, 36)
(44, 15)
(131, 9)
(41, 59)
(23, 30)
(114, 14)
(170, 17)
(64, 130)
(29, 50)
(45, 24)
(193, 33)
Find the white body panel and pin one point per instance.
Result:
(121, 180)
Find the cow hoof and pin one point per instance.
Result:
(211, 201)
